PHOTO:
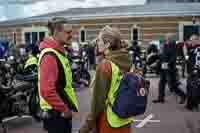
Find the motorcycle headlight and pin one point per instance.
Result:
(11, 58)
(186, 57)
(84, 53)
(74, 66)
(130, 52)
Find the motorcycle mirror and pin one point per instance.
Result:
(11, 58)
(186, 57)
(131, 52)
(84, 53)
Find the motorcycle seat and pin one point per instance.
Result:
(5, 89)
(28, 78)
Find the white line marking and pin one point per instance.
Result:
(10, 118)
(147, 119)
(153, 121)
(92, 84)
(15, 117)
(26, 116)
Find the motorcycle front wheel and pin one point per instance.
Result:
(34, 107)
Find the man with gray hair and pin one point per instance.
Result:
(58, 101)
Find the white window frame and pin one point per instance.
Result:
(181, 28)
(135, 26)
(81, 29)
(37, 29)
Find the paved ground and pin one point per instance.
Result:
(159, 118)
(174, 118)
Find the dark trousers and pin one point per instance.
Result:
(170, 78)
(58, 125)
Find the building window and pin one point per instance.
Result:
(27, 36)
(34, 37)
(41, 36)
(135, 34)
(82, 35)
(14, 38)
(189, 30)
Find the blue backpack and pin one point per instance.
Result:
(131, 96)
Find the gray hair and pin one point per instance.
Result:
(56, 23)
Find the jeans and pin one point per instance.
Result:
(58, 124)
(169, 77)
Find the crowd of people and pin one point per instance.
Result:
(58, 100)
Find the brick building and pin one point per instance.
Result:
(136, 22)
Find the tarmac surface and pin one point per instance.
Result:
(169, 117)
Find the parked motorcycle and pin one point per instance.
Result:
(193, 92)
(79, 65)
(17, 92)
(152, 59)
(33, 101)
(193, 80)
(137, 61)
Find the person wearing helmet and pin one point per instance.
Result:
(31, 62)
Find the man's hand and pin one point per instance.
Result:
(67, 115)
(75, 115)
(71, 114)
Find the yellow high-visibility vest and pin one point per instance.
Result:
(68, 77)
(113, 119)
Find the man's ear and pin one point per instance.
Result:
(107, 45)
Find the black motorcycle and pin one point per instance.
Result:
(193, 80)
(137, 61)
(152, 60)
(33, 101)
(193, 92)
(79, 65)
(18, 93)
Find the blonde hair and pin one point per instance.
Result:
(111, 35)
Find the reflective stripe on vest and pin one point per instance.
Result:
(68, 77)
(31, 61)
(112, 118)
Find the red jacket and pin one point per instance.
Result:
(49, 77)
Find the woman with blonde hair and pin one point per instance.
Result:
(110, 49)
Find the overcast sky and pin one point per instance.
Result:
(11, 9)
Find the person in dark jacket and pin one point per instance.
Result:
(191, 46)
(91, 52)
(168, 71)
(193, 84)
